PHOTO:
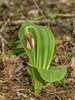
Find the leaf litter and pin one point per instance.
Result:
(16, 66)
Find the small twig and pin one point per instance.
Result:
(74, 24)
(3, 39)
(65, 15)
(52, 21)
(55, 22)
(59, 98)
(19, 94)
(39, 9)
(54, 3)
(41, 13)
(2, 29)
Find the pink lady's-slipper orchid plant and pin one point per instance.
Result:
(39, 43)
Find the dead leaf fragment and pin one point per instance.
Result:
(68, 2)
(70, 80)
(12, 59)
(2, 97)
(8, 71)
(73, 63)
(33, 12)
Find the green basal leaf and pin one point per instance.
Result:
(37, 81)
(53, 73)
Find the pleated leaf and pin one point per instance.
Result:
(43, 57)
(53, 74)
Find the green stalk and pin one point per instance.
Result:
(37, 81)
(37, 41)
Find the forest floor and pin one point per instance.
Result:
(17, 85)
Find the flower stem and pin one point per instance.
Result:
(37, 41)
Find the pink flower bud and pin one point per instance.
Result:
(29, 41)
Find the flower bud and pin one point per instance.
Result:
(29, 41)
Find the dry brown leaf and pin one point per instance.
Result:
(33, 12)
(66, 1)
(56, 58)
(74, 96)
(2, 97)
(12, 59)
(70, 80)
(4, 57)
(48, 85)
(68, 38)
(8, 71)
(73, 63)
(58, 40)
